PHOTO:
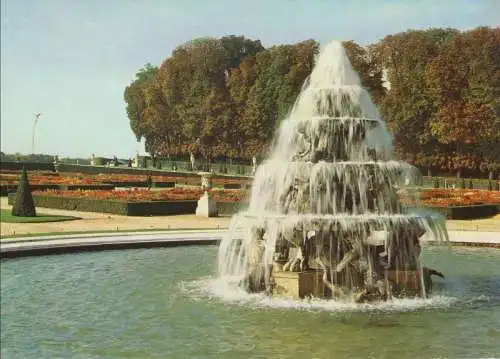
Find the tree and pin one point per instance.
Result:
(437, 89)
(369, 70)
(301, 59)
(465, 80)
(239, 48)
(134, 98)
(216, 135)
(409, 105)
(281, 72)
(23, 201)
(239, 83)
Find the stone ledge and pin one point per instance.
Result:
(85, 244)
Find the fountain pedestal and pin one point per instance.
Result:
(298, 285)
(207, 207)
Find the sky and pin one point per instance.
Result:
(70, 60)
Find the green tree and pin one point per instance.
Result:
(239, 48)
(281, 71)
(369, 70)
(23, 206)
(134, 98)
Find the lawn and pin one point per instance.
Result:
(7, 217)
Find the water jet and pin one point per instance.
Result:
(325, 217)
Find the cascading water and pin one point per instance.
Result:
(326, 202)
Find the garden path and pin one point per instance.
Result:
(92, 221)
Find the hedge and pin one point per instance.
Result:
(475, 183)
(161, 208)
(114, 207)
(164, 184)
(467, 212)
(232, 186)
(130, 208)
(9, 188)
(127, 184)
(74, 187)
(230, 208)
(224, 208)
(30, 166)
(87, 169)
(5, 189)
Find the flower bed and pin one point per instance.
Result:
(144, 195)
(456, 197)
(136, 202)
(43, 179)
(457, 203)
(429, 197)
(118, 179)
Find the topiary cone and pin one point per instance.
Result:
(23, 201)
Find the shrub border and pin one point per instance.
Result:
(224, 208)
(112, 206)
(5, 189)
(150, 208)
(467, 212)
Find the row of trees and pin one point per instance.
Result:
(39, 157)
(225, 97)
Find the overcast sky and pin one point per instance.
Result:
(71, 59)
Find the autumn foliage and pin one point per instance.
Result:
(224, 98)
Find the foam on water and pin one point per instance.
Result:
(228, 291)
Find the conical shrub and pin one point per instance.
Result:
(24, 205)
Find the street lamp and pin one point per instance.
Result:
(37, 116)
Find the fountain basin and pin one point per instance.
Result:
(62, 244)
(159, 303)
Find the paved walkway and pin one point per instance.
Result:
(91, 221)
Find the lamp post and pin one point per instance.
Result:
(37, 116)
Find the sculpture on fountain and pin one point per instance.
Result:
(325, 218)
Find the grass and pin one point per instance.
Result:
(7, 217)
(63, 234)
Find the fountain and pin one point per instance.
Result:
(325, 217)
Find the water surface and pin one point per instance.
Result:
(162, 303)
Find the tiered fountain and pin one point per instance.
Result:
(325, 217)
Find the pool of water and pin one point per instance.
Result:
(163, 303)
